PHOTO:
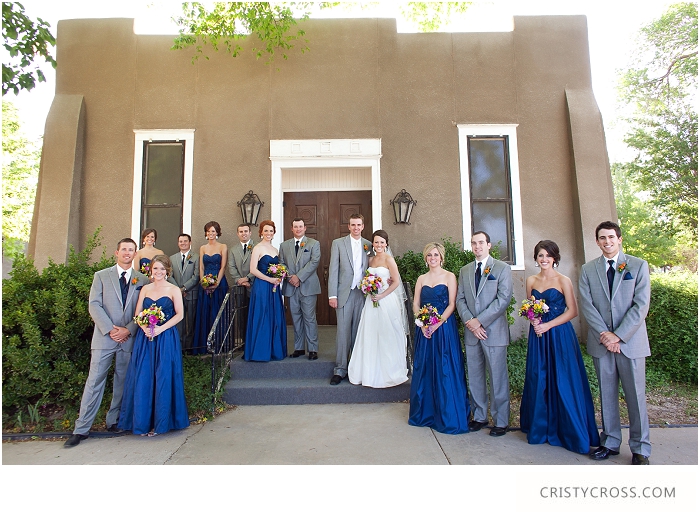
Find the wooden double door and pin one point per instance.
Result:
(326, 215)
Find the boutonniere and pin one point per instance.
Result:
(134, 281)
(621, 267)
(366, 248)
(250, 247)
(487, 270)
(188, 257)
(302, 244)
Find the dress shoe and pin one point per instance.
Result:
(639, 459)
(335, 380)
(475, 425)
(114, 428)
(313, 356)
(75, 440)
(298, 353)
(602, 453)
(498, 431)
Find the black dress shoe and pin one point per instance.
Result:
(498, 431)
(298, 353)
(335, 380)
(602, 453)
(115, 429)
(75, 440)
(475, 425)
(313, 356)
(639, 459)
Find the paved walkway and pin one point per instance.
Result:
(330, 434)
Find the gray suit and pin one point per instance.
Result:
(238, 264)
(489, 306)
(187, 278)
(106, 310)
(302, 299)
(624, 314)
(350, 298)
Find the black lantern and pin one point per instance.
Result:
(403, 205)
(250, 208)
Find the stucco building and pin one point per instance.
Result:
(493, 131)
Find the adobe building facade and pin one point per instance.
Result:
(492, 131)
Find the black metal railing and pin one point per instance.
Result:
(227, 335)
(411, 326)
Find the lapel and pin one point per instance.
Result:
(132, 288)
(601, 268)
(484, 278)
(301, 249)
(617, 279)
(114, 276)
(348, 250)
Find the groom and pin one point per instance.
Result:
(615, 293)
(112, 304)
(346, 269)
(483, 295)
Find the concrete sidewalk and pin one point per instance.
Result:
(331, 434)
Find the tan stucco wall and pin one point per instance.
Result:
(359, 80)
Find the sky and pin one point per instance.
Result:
(612, 26)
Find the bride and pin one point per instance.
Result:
(379, 354)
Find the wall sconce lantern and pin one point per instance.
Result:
(250, 208)
(403, 205)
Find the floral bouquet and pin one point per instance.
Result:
(427, 316)
(207, 282)
(277, 271)
(533, 309)
(371, 284)
(151, 317)
(145, 268)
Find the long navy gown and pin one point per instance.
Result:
(557, 407)
(439, 388)
(154, 388)
(208, 304)
(266, 333)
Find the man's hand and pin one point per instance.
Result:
(610, 341)
(119, 334)
(473, 324)
(480, 333)
(243, 281)
(294, 280)
(333, 302)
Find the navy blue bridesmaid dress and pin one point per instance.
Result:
(557, 407)
(154, 388)
(266, 332)
(438, 387)
(208, 304)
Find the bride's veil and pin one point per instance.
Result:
(401, 292)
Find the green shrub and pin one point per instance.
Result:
(672, 325)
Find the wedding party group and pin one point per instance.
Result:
(366, 291)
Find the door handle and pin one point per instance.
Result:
(325, 274)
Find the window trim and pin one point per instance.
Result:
(144, 135)
(487, 130)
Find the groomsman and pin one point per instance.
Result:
(615, 292)
(302, 255)
(483, 295)
(112, 305)
(186, 277)
(349, 259)
(239, 258)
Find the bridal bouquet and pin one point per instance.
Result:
(533, 309)
(207, 282)
(370, 285)
(151, 317)
(145, 269)
(427, 316)
(277, 271)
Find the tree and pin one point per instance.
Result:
(24, 40)
(20, 171)
(660, 88)
(223, 24)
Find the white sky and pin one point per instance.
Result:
(612, 26)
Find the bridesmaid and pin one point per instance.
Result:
(438, 387)
(148, 250)
(557, 407)
(266, 332)
(212, 262)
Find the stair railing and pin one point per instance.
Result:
(411, 324)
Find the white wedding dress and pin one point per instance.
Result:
(378, 356)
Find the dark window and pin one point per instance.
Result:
(491, 197)
(161, 200)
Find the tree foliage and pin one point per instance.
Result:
(430, 16)
(20, 171)
(25, 41)
(660, 89)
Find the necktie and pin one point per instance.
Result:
(296, 248)
(245, 248)
(477, 276)
(125, 288)
(611, 274)
(183, 262)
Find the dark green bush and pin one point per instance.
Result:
(672, 324)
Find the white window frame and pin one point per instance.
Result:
(509, 130)
(156, 135)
